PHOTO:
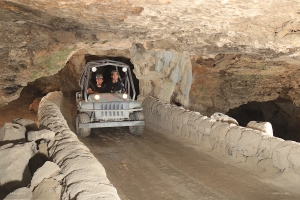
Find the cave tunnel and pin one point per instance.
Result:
(281, 113)
(107, 75)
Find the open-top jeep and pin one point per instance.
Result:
(111, 109)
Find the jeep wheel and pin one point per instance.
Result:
(82, 118)
(137, 130)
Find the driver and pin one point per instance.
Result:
(98, 88)
(115, 85)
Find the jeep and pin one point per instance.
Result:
(110, 109)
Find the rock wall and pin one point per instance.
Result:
(38, 38)
(227, 81)
(163, 74)
(82, 176)
(252, 147)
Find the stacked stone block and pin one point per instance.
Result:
(82, 176)
(246, 145)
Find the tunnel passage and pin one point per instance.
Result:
(281, 113)
(107, 75)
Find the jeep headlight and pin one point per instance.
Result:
(125, 96)
(124, 69)
(97, 96)
(94, 69)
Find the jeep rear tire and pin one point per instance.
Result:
(82, 118)
(137, 130)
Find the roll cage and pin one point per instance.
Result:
(86, 76)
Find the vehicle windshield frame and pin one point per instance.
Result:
(87, 74)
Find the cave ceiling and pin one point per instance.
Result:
(38, 37)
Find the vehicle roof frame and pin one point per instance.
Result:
(85, 76)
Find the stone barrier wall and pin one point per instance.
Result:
(82, 175)
(249, 146)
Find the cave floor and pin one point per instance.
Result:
(155, 166)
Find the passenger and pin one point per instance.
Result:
(115, 85)
(98, 88)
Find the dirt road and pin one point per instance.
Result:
(153, 166)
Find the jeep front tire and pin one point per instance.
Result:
(82, 118)
(137, 130)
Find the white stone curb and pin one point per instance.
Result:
(83, 176)
(247, 145)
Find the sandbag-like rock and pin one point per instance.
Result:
(10, 132)
(248, 144)
(231, 139)
(23, 193)
(83, 176)
(15, 171)
(184, 117)
(47, 189)
(27, 123)
(224, 118)
(265, 127)
(46, 171)
(281, 153)
(294, 160)
(267, 146)
(217, 137)
(205, 126)
(42, 134)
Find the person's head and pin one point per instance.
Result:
(99, 79)
(114, 76)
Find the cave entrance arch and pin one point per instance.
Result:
(281, 113)
(106, 73)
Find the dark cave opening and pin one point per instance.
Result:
(106, 73)
(281, 113)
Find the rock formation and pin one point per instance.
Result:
(239, 51)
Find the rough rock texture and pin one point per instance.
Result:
(47, 189)
(27, 123)
(83, 177)
(228, 81)
(15, 173)
(265, 127)
(224, 118)
(274, 156)
(11, 132)
(160, 37)
(23, 193)
(46, 171)
(42, 134)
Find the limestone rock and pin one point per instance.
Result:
(224, 118)
(217, 137)
(35, 105)
(15, 171)
(47, 189)
(281, 153)
(84, 177)
(46, 171)
(267, 146)
(27, 123)
(23, 193)
(267, 166)
(294, 160)
(205, 126)
(231, 139)
(42, 134)
(248, 144)
(10, 132)
(265, 127)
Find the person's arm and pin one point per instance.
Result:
(90, 91)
